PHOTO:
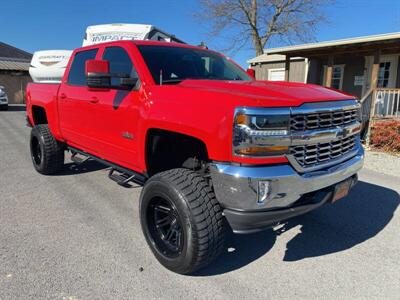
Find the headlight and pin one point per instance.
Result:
(2, 93)
(261, 132)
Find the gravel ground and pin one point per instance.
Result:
(382, 163)
(76, 235)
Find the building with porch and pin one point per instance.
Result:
(367, 67)
(14, 75)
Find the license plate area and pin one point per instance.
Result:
(342, 189)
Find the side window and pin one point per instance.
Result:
(76, 74)
(120, 63)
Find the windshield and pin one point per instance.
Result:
(174, 64)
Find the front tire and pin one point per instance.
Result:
(182, 220)
(4, 107)
(46, 152)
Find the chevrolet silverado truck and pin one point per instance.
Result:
(214, 149)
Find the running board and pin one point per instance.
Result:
(78, 160)
(123, 179)
(120, 175)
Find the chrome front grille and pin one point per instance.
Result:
(303, 122)
(312, 155)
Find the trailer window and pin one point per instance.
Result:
(76, 74)
(170, 65)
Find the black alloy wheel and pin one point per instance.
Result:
(46, 152)
(165, 227)
(181, 220)
(36, 151)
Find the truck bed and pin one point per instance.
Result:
(43, 95)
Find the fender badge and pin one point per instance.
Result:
(127, 135)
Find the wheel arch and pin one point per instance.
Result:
(39, 115)
(165, 149)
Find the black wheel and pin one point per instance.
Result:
(4, 107)
(47, 154)
(181, 220)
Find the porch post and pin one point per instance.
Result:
(375, 70)
(287, 68)
(329, 70)
(374, 85)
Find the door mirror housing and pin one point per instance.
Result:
(251, 72)
(98, 74)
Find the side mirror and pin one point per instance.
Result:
(98, 74)
(251, 72)
(127, 82)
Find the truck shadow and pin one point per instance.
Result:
(332, 228)
(87, 167)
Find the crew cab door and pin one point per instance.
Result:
(115, 115)
(74, 102)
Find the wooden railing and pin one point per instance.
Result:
(387, 103)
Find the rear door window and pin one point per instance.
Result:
(77, 74)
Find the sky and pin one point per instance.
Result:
(34, 25)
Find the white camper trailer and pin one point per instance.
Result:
(113, 32)
(49, 66)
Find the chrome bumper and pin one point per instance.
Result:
(236, 187)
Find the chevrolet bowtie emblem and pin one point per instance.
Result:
(343, 133)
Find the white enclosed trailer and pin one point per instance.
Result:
(48, 66)
(114, 32)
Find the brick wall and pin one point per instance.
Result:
(15, 85)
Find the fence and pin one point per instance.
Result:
(387, 104)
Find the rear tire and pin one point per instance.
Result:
(46, 152)
(181, 220)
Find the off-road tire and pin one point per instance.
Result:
(51, 156)
(200, 213)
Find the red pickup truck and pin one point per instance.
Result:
(213, 147)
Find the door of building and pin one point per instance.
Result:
(387, 74)
(386, 102)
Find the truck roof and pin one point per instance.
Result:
(146, 42)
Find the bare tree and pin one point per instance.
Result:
(262, 20)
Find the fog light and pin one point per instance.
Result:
(264, 189)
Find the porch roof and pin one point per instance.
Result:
(14, 64)
(367, 45)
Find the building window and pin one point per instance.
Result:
(384, 74)
(337, 77)
(276, 74)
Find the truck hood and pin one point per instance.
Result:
(271, 93)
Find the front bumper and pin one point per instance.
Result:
(3, 100)
(236, 188)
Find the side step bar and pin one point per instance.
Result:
(120, 175)
(123, 179)
(77, 160)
